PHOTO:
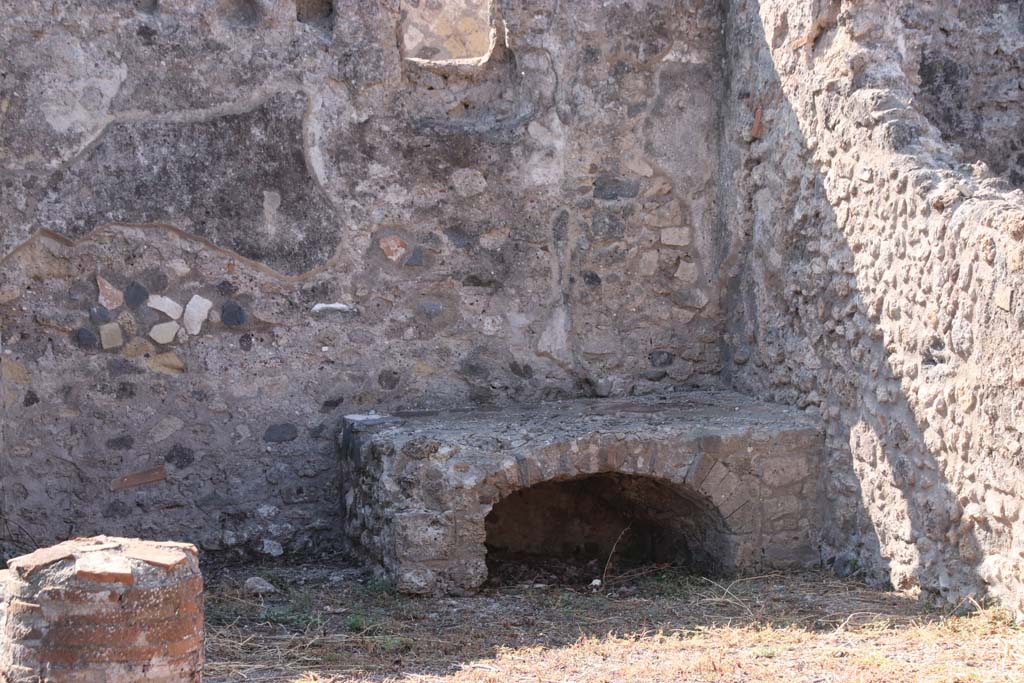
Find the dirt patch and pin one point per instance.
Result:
(336, 624)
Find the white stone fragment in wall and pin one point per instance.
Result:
(196, 311)
(1004, 297)
(272, 548)
(322, 309)
(1015, 258)
(675, 237)
(649, 263)
(667, 215)
(164, 333)
(363, 417)
(171, 308)
(110, 336)
(687, 272)
(266, 511)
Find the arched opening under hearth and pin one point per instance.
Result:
(606, 524)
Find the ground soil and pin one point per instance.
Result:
(331, 623)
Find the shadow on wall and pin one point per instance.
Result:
(810, 293)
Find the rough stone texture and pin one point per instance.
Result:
(110, 336)
(262, 158)
(169, 307)
(418, 487)
(797, 199)
(196, 312)
(240, 179)
(442, 31)
(965, 66)
(868, 279)
(103, 609)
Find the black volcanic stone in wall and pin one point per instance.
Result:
(388, 379)
(430, 309)
(606, 225)
(180, 456)
(609, 186)
(154, 279)
(415, 258)
(146, 317)
(116, 510)
(523, 370)
(331, 403)
(85, 338)
(120, 443)
(99, 315)
(280, 433)
(118, 366)
(135, 294)
(232, 314)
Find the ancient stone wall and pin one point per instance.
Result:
(239, 219)
(879, 287)
(965, 65)
(354, 210)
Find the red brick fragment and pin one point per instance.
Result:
(158, 557)
(177, 545)
(78, 596)
(140, 478)
(26, 565)
(21, 609)
(105, 568)
(88, 545)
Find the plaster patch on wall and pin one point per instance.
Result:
(240, 180)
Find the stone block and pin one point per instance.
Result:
(675, 237)
(196, 312)
(652, 444)
(164, 333)
(1003, 297)
(169, 307)
(423, 536)
(110, 336)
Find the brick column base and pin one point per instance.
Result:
(103, 610)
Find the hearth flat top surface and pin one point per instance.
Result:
(696, 412)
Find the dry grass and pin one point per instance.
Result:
(328, 626)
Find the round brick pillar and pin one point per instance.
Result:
(103, 610)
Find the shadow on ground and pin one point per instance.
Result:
(335, 624)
